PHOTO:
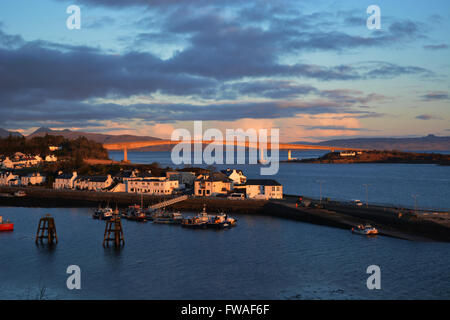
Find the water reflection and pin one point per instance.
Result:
(262, 258)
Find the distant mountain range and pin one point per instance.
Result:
(5, 133)
(98, 137)
(428, 143)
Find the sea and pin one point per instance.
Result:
(261, 258)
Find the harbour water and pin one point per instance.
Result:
(262, 258)
(388, 184)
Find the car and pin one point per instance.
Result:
(236, 196)
(357, 203)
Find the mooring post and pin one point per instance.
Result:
(46, 230)
(114, 226)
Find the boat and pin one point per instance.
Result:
(20, 193)
(221, 221)
(365, 230)
(6, 225)
(199, 221)
(135, 213)
(103, 213)
(168, 218)
(204, 221)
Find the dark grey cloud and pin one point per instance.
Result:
(335, 128)
(436, 95)
(225, 58)
(436, 46)
(427, 117)
(81, 74)
(149, 3)
(64, 113)
(97, 22)
(273, 89)
(9, 41)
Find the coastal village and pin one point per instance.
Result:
(59, 171)
(230, 183)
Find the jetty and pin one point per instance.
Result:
(167, 203)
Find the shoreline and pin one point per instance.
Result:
(392, 222)
(373, 156)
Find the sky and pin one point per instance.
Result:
(146, 67)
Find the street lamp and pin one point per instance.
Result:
(320, 183)
(367, 193)
(415, 201)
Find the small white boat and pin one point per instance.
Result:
(20, 193)
(365, 230)
(103, 213)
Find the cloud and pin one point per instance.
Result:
(436, 95)
(427, 117)
(226, 66)
(334, 127)
(97, 22)
(436, 46)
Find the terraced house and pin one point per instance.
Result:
(213, 184)
(93, 183)
(154, 185)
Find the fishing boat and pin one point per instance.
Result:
(199, 221)
(103, 213)
(168, 218)
(221, 221)
(365, 230)
(135, 213)
(204, 221)
(6, 225)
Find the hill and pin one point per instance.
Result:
(5, 133)
(381, 157)
(428, 143)
(97, 137)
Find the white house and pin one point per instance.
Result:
(211, 185)
(135, 174)
(8, 178)
(347, 153)
(95, 183)
(7, 163)
(263, 189)
(51, 158)
(65, 181)
(155, 185)
(183, 177)
(21, 161)
(32, 179)
(236, 175)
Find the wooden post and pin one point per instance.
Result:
(114, 226)
(46, 230)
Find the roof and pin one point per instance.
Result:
(92, 178)
(216, 176)
(230, 171)
(262, 182)
(65, 176)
